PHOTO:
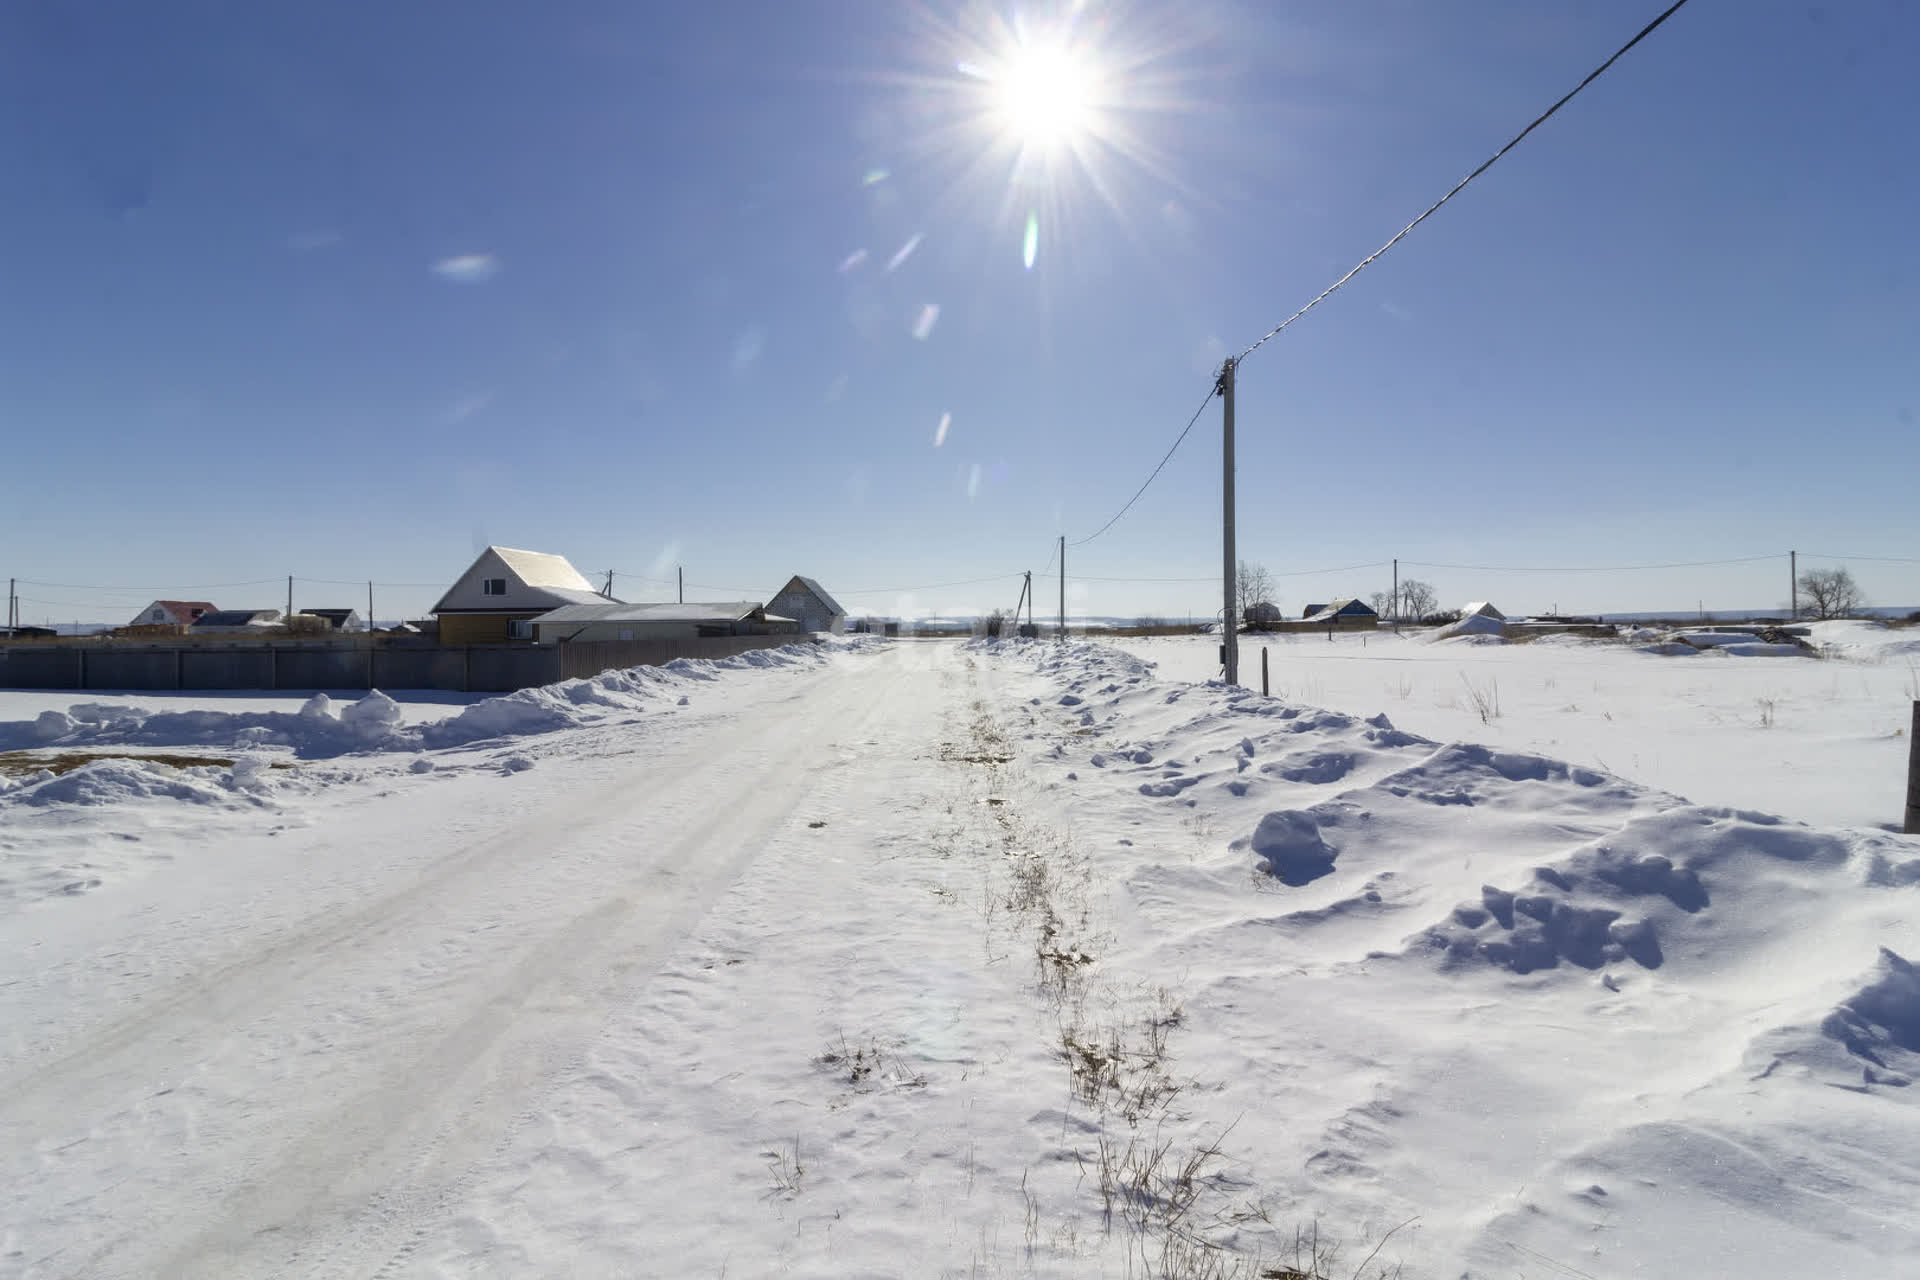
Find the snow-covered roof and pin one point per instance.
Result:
(1482, 608)
(180, 611)
(532, 581)
(1348, 607)
(727, 611)
(237, 617)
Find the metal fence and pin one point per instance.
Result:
(477, 668)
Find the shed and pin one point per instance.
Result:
(1345, 613)
(236, 621)
(340, 619)
(806, 601)
(506, 585)
(614, 621)
(1482, 609)
(1262, 614)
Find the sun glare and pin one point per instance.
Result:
(1043, 94)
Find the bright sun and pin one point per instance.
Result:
(1044, 95)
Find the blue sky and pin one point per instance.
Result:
(348, 291)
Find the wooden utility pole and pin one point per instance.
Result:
(1063, 587)
(1912, 825)
(1263, 671)
(369, 608)
(1396, 595)
(1793, 582)
(1029, 594)
(289, 595)
(607, 590)
(680, 572)
(1229, 616)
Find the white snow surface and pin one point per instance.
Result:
(906, 959)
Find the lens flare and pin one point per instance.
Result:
(905, 251)
(924, 322)
(1031, 248)
(940, 432)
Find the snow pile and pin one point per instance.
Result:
(1866, 641)
(1476, 625)
(119, 780)
(1649, 1001)
(326, 728)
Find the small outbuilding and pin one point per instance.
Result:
(237, 622)
(807, 602)
(1344, 613)
(340, 619)
(609, 621)
(1481, 609)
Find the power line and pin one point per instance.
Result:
(1211, 391)
(1815, 555)
(1588, 568)
(1459, 186)
(170, 586)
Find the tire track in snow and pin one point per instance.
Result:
(371, 1159)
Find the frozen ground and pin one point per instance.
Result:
(932, 959)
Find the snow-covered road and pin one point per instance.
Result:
(1012, 959)
(283, 1055)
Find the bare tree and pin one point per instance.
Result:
(1417, 599)
(1830, 593)
(1253, 585)
(1382, 602)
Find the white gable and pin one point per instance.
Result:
(525, 580)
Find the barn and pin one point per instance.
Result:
(807, 602)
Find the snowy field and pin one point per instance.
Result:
(949, 959)
(1820, 741)
(417, 706)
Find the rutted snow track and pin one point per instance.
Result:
(310, 1044)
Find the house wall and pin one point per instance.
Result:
(806, 609)
(466, 668)
(479, 628)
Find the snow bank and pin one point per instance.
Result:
(1474, 624)
(324, 728)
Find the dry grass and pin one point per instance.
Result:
(21, 763)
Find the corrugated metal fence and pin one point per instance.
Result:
(478, 668)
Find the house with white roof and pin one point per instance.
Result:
(505, 586)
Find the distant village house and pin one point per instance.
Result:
(504, 590)
(176, 613)
(807, 603)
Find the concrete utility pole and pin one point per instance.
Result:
(1793, 581)
(1912, 825)
(680, 572)
(1229, 628)
(1063, 587)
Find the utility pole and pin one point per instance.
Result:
(369, 608)
(1016, 615)
(289, 595)
(1063, 588)
(1793, 581)
(681, 573)
(1229, 630)
(10, 605)
(1396, 595)
(607, 590)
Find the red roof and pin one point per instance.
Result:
(184, 611)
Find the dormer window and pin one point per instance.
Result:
(493, 586)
